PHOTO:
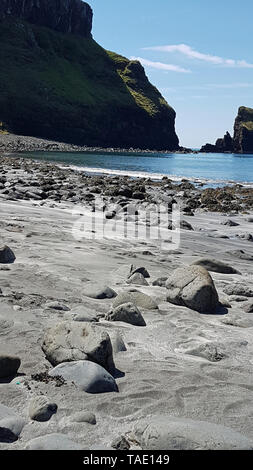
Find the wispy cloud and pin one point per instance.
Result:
(193, 54)
(208, 87)
(161, 65)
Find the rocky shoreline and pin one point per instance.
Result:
(45, 182)
(10, 143)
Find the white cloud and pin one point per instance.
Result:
(193, 54)
(160, 65)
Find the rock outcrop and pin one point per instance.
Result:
(242, 142)
(57, 83)
(66, 16)
(221, 146)
(243, 131)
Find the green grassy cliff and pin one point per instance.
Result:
(67, 87)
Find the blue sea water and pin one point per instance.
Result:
(212, 169)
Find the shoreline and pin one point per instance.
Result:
(18, 143)
(178, 358)
(47, 181)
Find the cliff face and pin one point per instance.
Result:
(243, 131)
(66, 16)
(66, 87)
(242, 142)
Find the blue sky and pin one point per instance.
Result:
(198, 53)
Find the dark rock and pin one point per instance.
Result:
(141, 270)
(40, 409)
(243, 131)
(120, 443)
(6, 255)
(9, 365)
(242, 142)
(230, 223)
(103, 292)
(215, 266)
(65, 16)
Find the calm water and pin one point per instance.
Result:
(211, 168)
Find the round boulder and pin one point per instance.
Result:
(88, 376)
(77, 341)
(192, 287)
(127, 313)
(6, 255)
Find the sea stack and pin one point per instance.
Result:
(242, 142)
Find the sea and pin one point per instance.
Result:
(212, 170)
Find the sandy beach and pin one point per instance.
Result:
(182, 369)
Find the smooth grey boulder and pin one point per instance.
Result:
(88, 376)
(11, 424)
(137, 279)
(171, 433)
(9, 365)
(6, 255)
(40, 409)
(215, 266)
(53, 442)
(73, 341)
(127, 313)
(137, 298)
(83, 417)
(192, 287)
(238, 289)
(100, 292)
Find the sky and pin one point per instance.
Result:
(198, 53)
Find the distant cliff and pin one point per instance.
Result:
(56, 82)
(242, 142)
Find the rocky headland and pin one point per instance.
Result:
(57, 83)
(241, 142)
